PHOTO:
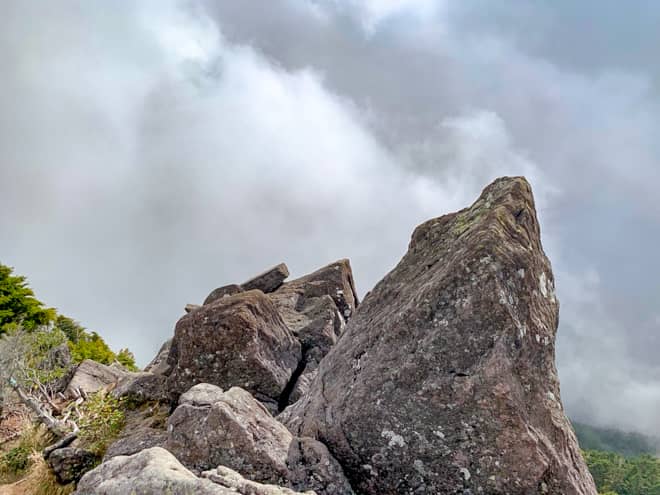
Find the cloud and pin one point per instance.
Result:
(153, 151)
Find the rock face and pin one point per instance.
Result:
(70, 463)
(232, 429)
(150, 472)
(158, 364)
(224, 291)
(316, 307)
(91, 377)
(240, 340)
(444, 380)
(141, 387)
(269, 280)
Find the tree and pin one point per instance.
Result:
(18, 305)
(28, 369)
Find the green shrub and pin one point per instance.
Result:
(102, 419)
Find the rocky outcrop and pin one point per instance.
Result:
(142, 387)
(316, 307)
(234, 481)
(240, 340)
(269, 280)
(232, 429)
(224, 291)
(150, 472)
(444, 381)
(145, 427)
(90, 377)
(70, 463)
(158, 364)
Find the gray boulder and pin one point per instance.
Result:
(224, 291)
(444, 380)
(269, 280)
(158, 364)
(70, 463)
(142, 387)
(229, 478)
(145, 428)
(90, 377)
(232, 429)
(240, 340)
(315, 307)
(152, 471)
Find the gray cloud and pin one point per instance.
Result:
(153, 151)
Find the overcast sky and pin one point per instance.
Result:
(151, 151)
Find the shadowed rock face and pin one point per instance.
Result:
(239, 340)
(444, 380)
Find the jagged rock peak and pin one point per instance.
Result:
(444, 380)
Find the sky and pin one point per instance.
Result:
(151, 151)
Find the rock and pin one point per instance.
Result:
(91, 377)
(233, 429)
(269, 280)
(236, 431)
(220, 292)
(152, 471)
(234, 481)
(158, 364)
(189, 308)
(444, 380)
(315, 307)
(238, 340)
(144, 428)
(70, 463)
(202, 394)
(139, 388)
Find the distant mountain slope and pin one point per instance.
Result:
(628, 444)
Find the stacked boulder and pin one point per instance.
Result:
(441, 382)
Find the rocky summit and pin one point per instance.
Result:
(442, 381)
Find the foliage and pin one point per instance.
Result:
(102, 418)
(18, 459)
(18, 306)
(91, 346)
(127, 359)
(612, 472)
(628, 444)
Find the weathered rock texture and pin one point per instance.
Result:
(70, 463)
(145, 428)
(240, 340)
(158, 364)
(139, 388)
(91, 376)
(211, 427)
(150, 472)
(444, 380)
(269, 280)
(316, 307)
(224, 291)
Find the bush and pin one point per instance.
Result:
(102, 418)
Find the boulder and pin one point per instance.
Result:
(224, 291)
(238, 340)
(232, 429)
(315, 307)
(142, 387)
(269, 280)
(70, 463)
(90, 377)
(152, 471)
(444, 380)
(158, 364)
(229, 478)
(145, 427)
